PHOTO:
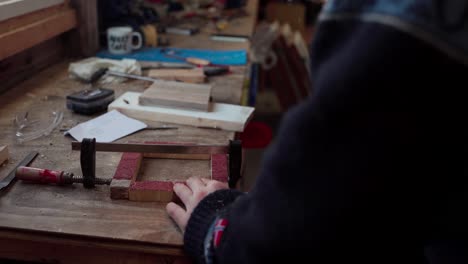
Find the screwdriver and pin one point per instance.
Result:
(44, 176)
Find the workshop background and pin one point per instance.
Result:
(270, 97)
(63, 77)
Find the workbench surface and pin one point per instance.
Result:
(73, 224)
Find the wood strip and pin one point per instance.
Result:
(128, 167)
(195, 75)
(26, 37)
(125, 175)
(219, 167)
(177, 95)
(221, 116)
(154, 148)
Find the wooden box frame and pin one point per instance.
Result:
(124, 183)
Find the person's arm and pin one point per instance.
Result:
(341, 181)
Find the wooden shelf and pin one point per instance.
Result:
(24, 32)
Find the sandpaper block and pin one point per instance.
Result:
(177, 95)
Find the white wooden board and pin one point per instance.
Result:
(222, 116)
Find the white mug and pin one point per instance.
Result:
(120, 40)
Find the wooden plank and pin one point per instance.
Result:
(14, 8)
(4, 154)
(129, 166)
(26, 37)
(157, 148)
(29, 18)
(177, 95)
(220, 116)
(182, 75)
(87, 35)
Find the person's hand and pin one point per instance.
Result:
(190, 195)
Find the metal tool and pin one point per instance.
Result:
(89, 147)
(11, 176)
(145, 65)
(153, 148)
(44, 176)
(132, 76)
(192, 60)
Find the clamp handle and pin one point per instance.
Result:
(88, 161)
(235, 162)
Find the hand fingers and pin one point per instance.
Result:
(195, 184)
(183, 192)
(214, 185)
(205, 180)
(217, 185)
(179, 215)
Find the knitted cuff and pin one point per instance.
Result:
(202, 218)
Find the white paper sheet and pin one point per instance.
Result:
(107, 127)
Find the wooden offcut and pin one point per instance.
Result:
(177, 95)
(182, 75)
(119, 189)
(220, 116)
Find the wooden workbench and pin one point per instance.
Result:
(77, 225)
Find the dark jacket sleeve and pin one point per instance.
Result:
(351, 175)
